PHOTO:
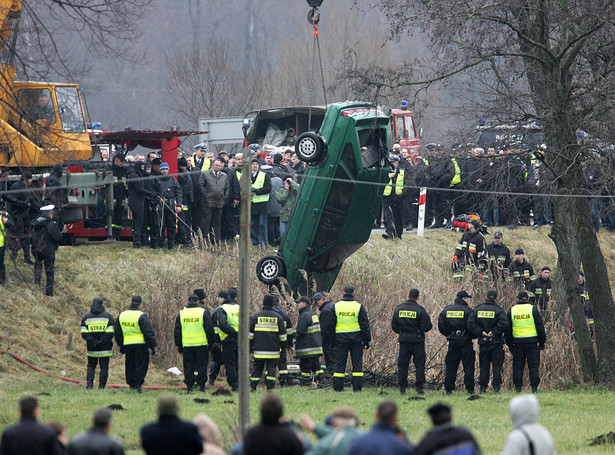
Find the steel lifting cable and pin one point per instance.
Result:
(314, 19)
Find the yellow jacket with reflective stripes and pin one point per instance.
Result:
(351, 321)
(204, 166)
(258, 184)
(399, 184)
(192, 321)
(457, 177)
(525, 325)
(129, 323)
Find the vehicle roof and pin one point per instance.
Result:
(277, 112)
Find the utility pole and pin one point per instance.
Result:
(244, 291)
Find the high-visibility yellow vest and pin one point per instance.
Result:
(259, 183)
(347, 313)
(205, 166)
(129, 322)
(2, 232)
(238, 175)
(399, 185)
(523, 325)
(232, 316)
(193, 332)
(457, 178)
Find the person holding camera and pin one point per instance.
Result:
(488, 322)
(286, 196)
(453, 324)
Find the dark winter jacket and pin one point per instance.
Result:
(453, 320)
(28, 437)
(119, 188)
(46, 237)
(94, 442)
(208, 326)
(21, 204)
(234, 188)
(540, 292)
(137, 189)
(54, 193)
(446, 436)
(363, 336)
(499, 256)
(221, 320)
(272, 439)
(288, 324)
(170, 189)
(541, 337)
(171, 436)
(488, 317)
(309, 340)
(97, 329)
(267, 334)
(471, 247)
(441, 172)
(327, 322)
(185, 182)
(521, 272)
(146, 328)
(381, 439)
(411, 322)
(260, 208)
(287, 199)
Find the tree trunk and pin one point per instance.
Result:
(563, 237)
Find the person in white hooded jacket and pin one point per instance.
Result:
(528, 436)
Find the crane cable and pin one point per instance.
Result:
(314, 19)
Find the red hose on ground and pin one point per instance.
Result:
(80, 381)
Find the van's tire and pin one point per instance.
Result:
(269, 268)
(310, 147)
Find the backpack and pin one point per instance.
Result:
(39, 239)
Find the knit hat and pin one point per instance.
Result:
(164, 165)
(98, 301)
(546, 267)
(157, 161)
(232, 292)
(137, 299)
(316, 297)
(224, 294)
(200, 293)
(349, 289)
(182, 162)
(268, 300)
(193, 298)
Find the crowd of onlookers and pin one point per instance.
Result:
(275, 434)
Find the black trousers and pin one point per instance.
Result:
(216, 363)
(22, 237)
(49, 264)
(229, 227)
(151, 225)
(137, 207)
(104, 370)
(137, 363)
(393, 211)
(229, 358)
(489, 355)
(406, 352)
(196, 210)
(118, 217)
(169, 220)
(459, 352)
(283, 368)
(356, 356)
(309, 366)
(211, 225)
(521, 353)
(273, 230)
(257, 372)
(328, 349)
(2, 266)
(195, 366)
(184, 227)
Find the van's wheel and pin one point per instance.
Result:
(270, 268)
(310, 147)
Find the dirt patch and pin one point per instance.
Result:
(382, 392)
(201, 400)
(116, 407)
(228, 402)
(474, 397)
(416, 398)
(606, 438)
(43, 394)
(222, 392)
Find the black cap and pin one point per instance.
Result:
(498, 235)
(414, 293)
(519, 251)
(581, 273)
(200, 293)
(316, 297)
(137, 299)
(475, 223)
(349, 289)
(522, 295)
(118, 156)
(193, 298)
(303, 299)
(182, 162)
(224, 294)
(255, 160)
(546, 267)
(157, 161)
(98, 301)
(268, 300)
(463, 295)
(492, 294)
(232, 292)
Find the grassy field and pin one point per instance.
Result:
(45, 331)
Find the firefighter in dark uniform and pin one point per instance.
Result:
(119, 194)
(525, 338)
(5, 223)
(411, 322)
(470, 251)
(267, 337)
(352, 333)
(23, 207)
(539, 289)
(520, 271)
(452, 323)
(499, 258)
(393, 200)
(134, 335)
(171, 193)
(587, 304)
(193, 334)
(489, 323)
(226, 322)
(308, 346)
(327, 330)
(290, 335)
(97, 330)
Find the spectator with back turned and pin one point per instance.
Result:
(308, 347)
(226, 322)
(5, 223)
(96, 441)
(528, 436)
(411, 322)
(46, 237)
(488, 322)
(134, 335)
(97, 330)
(452, 323)
(444, 437)
(327, 330)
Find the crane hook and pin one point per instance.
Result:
(313, 16)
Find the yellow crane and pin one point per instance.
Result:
(41, 123)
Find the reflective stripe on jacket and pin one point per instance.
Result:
(523, 324)
(347, 314)
(129, 323)
(399, 185)
(193, 330)
(260, 183)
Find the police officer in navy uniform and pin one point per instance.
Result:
(352, 333)
(489, 323)
(134, 335)
(226, 322)
(452, 323)
(97, 330)
(194, 333)
(411, 322)
(525, 338)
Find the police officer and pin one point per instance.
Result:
(452, 323)
(267, 337)
(226, 321)
(134, 335)
(327, 330)
(411, 322)
(46, 237)
(489, 323)
(97, 330)
(525, 338)
(290, 335)
(393, 200)
(308, 346)
(193, 334)
(352, 333)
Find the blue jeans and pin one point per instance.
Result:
(283, 225)
(258, 230)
